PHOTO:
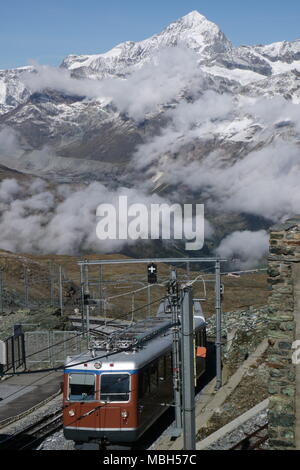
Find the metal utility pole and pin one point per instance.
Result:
(174, 297)
(188, 270)
(105, 313)
(218, 325)
(1, 291)
(149, 299)
(188, 373)
(87, 297)
(60, 291)
(152, 279)
(26, 286)
(82, 297)
(51, 285)
(100, 289)
(132, 308)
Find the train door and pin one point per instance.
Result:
(149, 395)
(144, 410)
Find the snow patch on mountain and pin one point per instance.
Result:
(12, 89)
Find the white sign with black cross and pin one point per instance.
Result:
(152, 273)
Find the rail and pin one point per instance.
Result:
(252, 441)
(31, 436)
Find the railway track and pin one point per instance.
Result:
(254, 440)
(31, 436)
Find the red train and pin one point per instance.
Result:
(116, 397)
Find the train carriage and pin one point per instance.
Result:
(116, 396)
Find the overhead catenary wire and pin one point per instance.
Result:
(81, 334)
(123, 316)
(133, 291)
(248, 271)
(54, 345)
(54, 369)
(91, 411)
(103, 404)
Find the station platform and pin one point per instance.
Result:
(21, 393)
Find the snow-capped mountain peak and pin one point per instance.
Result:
(194, 19)
(195, 28)
(193, 31)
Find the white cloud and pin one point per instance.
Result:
(9, 144)
(187, 122)
(37, 219)
(248, 247)
(262, 180)
(157, 82)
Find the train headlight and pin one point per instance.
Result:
(124, 414)
(98, 365)
(71, 412)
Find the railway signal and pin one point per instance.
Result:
(152, 273)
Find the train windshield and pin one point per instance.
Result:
(82, 387)
(115, 387)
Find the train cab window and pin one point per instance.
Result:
(115, 387)
(82, 387)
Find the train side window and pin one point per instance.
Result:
(202, 338)
(153, 376)
(82, 387)
(115, 387)
(141, 384)
(162, 369)
(169, 365)
(144, 382)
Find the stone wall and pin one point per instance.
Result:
(284, 264)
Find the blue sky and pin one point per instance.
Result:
(48, 30)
